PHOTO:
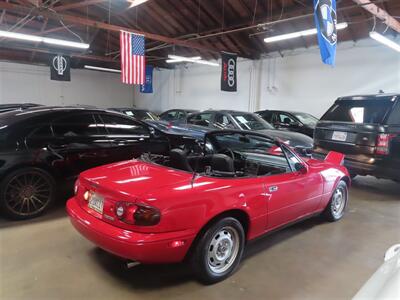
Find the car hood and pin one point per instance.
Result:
(293, 139)
(132, 178)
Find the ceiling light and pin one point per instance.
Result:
(299, 34)
(38, 39)
(136, 2)
(384, 40)
(102, 69)
(196, 59)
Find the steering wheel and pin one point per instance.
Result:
(227, 151)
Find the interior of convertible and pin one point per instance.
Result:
(231, 155)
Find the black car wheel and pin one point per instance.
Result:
(218, 252)
(26, 193)
(334, 211)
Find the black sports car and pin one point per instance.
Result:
(230, 119)
(294, 121)
(48, 145)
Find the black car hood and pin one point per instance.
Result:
(293, 139)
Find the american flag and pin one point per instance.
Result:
(132, 58)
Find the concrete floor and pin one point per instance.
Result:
(47, 259)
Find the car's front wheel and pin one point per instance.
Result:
(218, 251)
(334, 211)
(26, 193)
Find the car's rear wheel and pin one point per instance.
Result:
(26, 193)
(334, 211)
(218, 251)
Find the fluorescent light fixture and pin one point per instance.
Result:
(102, 69)
(384, 40)
(196, 59)
(299, 34)
(136, 2)
(40, 39)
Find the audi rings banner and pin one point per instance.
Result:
(60, 68)
(228, 72)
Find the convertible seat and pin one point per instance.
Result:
(222, 165)
(178, 160)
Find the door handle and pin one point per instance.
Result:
(273, 188)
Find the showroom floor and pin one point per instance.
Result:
(47, 258)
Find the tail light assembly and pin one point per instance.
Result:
(137, 214)
(383, 143)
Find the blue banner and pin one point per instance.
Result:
(325, 21)
(147, 87)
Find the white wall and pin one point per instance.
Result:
(297, 81)
(31, 83)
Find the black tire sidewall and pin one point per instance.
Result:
(199, 259)
(3, 185)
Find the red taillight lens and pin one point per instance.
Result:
(137, 214)
(383, 143)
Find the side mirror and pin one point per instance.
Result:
(299, 167)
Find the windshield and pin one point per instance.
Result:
(141, 114)
(248, 121)
(358, 111)
(306, 119)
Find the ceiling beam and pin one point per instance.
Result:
(379, 13)
(96, 24)
(77, 5)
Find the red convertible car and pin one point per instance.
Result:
(203, 206)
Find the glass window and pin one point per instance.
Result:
(43, 131)
(76, 125)
(286, 119)
(359, 111)
(202, 119)
(292, 159)
(222, 121)
(266, 115)
(306, 119)
(394, 118)
(249, 121)
(122, 126)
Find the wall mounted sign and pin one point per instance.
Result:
(60, 66)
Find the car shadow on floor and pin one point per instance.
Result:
(377, 186)
(158, 276)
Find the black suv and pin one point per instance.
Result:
(44, 147)
(367, 130)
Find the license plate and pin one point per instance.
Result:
(96, 202)
(339, 136)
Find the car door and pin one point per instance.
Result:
(292, 195)
(78, 143)
(286, 121)
(130, 138)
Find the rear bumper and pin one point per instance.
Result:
(363, 168)
(142, 247)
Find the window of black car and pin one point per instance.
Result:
(248, 121)
(286, 119)
(266, 115)
(202, 119)
(394, 118)
(306, 119)
(222, 121)
(117, 125)
(43, 131)
(358, 111)
(170, 115)
(75, 125)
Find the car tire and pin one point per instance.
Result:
(26, 193)
(335, 209)
(218, 251)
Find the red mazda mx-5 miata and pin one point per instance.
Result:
(204, 205)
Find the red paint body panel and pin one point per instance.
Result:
(268, 202)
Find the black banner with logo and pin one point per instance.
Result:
(60, 68)
(228, 72)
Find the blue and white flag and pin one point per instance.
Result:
(147, 87)
(326, 20)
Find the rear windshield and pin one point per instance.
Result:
(359, 111)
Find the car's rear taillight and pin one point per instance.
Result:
(137, 214)
(383, 143)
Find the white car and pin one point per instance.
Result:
(385, 283)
